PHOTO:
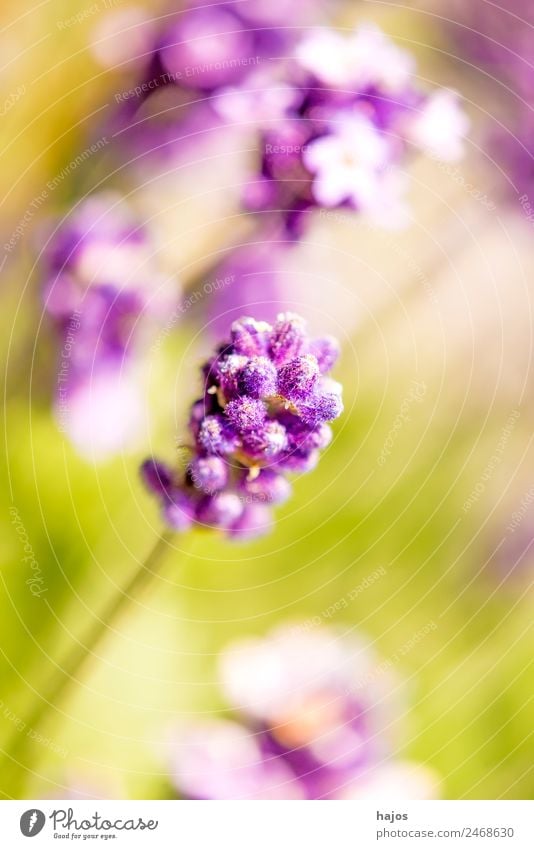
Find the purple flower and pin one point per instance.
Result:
(222, 510)
(206, 66)
(343, 141)
(267, 441)
(326, 352)
(250, 337)
(264, 412)
(178, 513)
(311, 716)
(322, 406)
(104, 293)
(255, 520)
(206, 47)
(157, 477)
(268, 487)
(288, 338)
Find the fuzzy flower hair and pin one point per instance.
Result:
(265, 411)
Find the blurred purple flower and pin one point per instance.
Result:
(194, 64)
(264, 412)
(311, 716)
(102, 289)
(346, 133)
(333, 115)
(206, 47)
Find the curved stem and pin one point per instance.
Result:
(69, 671)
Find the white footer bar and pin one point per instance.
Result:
(268, 825)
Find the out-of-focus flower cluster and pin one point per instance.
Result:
(264, 413)
(103, 291)
(313, 717)
(347, 114)
(199, 53)
(335, 114)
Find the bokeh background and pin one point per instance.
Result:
(444, 304)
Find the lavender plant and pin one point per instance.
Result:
(264, 413)
(335, 117)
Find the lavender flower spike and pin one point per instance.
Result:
(264, 413)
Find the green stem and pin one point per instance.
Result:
(69, 672)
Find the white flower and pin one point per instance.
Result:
(324, 54)
(351, 165)
(347, 162)
(441, 126)
(366, 57)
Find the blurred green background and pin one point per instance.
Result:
(446, 303)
